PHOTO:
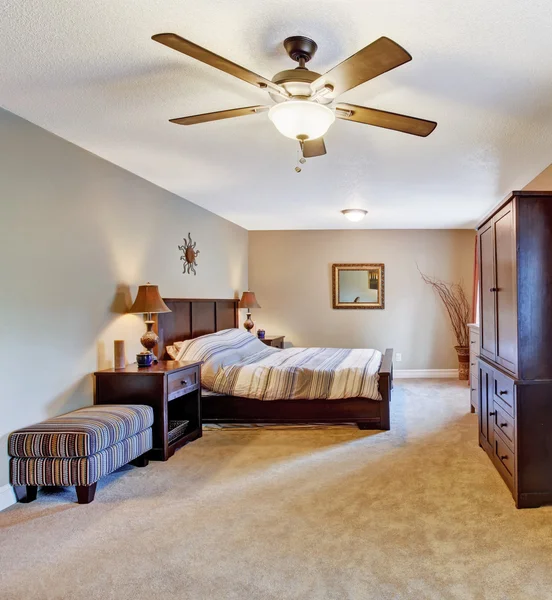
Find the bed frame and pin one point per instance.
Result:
(191, 318)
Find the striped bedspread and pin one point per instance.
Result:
(237, 364)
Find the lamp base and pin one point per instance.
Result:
(149, 339)
(248, 323)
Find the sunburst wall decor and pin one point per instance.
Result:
(189, 255)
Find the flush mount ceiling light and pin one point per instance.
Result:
(301, 119)
(354, 214)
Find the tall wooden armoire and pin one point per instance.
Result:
(515, 364)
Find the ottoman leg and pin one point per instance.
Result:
(25, 493)
(141, 461)
(85, 493)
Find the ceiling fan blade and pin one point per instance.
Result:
(312, 148)
(387, 120)
(174, 41)
(220, 114)
(377, 58)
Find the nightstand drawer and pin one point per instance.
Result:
(182, 382)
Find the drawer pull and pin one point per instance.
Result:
(472, 342)
(493, 290)
(502, 392)
(492, 414)
(504, 424)
(473, 389)
(504, 457)
(185, 382)
(472, 364)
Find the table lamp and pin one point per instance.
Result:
(148, 302)
(249, 301)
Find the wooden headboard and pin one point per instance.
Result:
(191, 318)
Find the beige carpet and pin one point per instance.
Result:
(334, 513)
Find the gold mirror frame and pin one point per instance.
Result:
(379, 267)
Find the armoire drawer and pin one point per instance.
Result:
(505, 459)
(504, 390)
(505, 425)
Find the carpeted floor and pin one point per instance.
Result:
(332, 513)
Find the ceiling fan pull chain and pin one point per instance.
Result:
(301, 160)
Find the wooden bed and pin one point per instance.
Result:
(191, 318)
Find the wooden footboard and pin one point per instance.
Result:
(385, 387)
(367, 413)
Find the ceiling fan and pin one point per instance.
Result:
(303, 97)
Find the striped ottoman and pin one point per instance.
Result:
(78, 448)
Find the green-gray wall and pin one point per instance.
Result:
(78, 236)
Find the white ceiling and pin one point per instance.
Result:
(89, 72)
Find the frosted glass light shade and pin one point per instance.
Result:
(296, 118)
(354, 214)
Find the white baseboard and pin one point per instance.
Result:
(425, 374)
(7, 497)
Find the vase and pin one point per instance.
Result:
(463, 362)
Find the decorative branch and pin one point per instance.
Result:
(456, 303)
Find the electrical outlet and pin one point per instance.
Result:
(398, 357)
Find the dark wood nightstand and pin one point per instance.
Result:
(172, 388)
(276, 341)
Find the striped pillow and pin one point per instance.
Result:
(222, 349)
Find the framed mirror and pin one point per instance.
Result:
(358, 286)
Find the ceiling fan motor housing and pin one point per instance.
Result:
(300, 48)
(297, 81)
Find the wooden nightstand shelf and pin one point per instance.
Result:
(276, 341)
(171, 388)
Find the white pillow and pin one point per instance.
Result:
(173, 350)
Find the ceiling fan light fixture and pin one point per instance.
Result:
(301, 119)
(354, 214)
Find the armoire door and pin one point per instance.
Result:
(506, 289)
(486, 408)
(487, 291)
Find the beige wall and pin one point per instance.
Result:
(290, 272)
(78, 236)
(542, 182)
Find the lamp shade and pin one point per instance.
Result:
(298, 119)
(148, 300)
(248, 300)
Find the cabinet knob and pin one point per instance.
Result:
(492, 414)
(472, 389)
(504, 457)
(502, 392)
(493, 290)
(472, 342)
(504, 424)
(184, 382)
(472, 364)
